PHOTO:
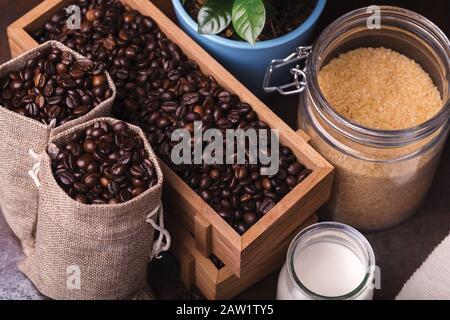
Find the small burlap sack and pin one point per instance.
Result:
(22, 141)
(94, 251)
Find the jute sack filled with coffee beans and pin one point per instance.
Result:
(43, 92)
(99, 204)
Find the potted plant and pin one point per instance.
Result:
(245, 35)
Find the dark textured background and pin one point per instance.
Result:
(399, 252)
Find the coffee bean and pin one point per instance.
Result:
(250, 218)
(266, 205)
(92, 169)
(104, 182)
(91, 179)
(149, 168)
(294, 168)
(137, 191)
(228, 216)
(291, 181)
(238, 215)
(163, 123)
(89, 146)
(305, 173)
(241, 172)
(4, 83)
(76, 73)
(52, 100)
(241, 228)
(69, 161)
(61, 68)
(267, 184)
(118, 170)
(124, 195)
(66, 178)
(48, 87)
(190, 98)
(214, 174)
(282, 189)
(206, 195)
(192, 116)
(16, 85)
(81, 198)
(81, 111)
(83, 161)
(137, 171)
(169, 107)
(205, 182)
(98, 80)
(32, 109)
(119, 126)
(246, 197)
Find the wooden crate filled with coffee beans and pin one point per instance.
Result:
(215, 280)
(180, 96)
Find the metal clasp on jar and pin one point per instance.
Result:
(299, 73)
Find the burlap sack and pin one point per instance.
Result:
(19, 136)
(103, 248)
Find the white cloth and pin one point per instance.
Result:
(432, 280)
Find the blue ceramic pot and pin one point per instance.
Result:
(249, 63)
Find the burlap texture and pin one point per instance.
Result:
(110, 244)
(19, 134)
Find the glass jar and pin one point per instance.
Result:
(381, 176)
(328, 261)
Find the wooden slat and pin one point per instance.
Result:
(224, 284)
(203, 235)
(187, 269)
(303, 135)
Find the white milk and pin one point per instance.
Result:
(327, 268)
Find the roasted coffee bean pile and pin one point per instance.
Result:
(103, 164)
(160, 90)
(55, 86)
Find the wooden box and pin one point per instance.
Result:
(222, 284)
(212, 233)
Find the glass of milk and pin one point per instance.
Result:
(328, 261)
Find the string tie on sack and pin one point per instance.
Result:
(34, 172)
(162, 244)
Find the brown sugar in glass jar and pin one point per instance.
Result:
(383, 173)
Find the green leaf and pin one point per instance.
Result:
(249, 18)
(183, 2)
(214, 16)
